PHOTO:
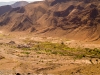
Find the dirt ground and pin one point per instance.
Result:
(15, 61)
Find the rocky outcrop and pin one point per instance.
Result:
(68, 18)
(19, 4)
(4, 9)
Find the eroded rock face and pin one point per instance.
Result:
(94, 13)
(65, 12)
(4, 9)
(58, 1)
(63, 17)
(21, 10)
(19, 4)
(87, 1)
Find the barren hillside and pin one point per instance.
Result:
(72, 19)
(4, 9)
(50, 37)
(19, 4)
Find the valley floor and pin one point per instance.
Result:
(33, 55)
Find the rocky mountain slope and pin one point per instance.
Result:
(19, 4)
(4, 9)
(67, 18)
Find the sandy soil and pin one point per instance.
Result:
(15, 61)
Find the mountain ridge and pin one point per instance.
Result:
(19, 4)
(7, 8)
(70, 19)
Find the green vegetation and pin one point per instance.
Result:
(26, 53)
(51, 48)
(26, 49)
(61, 49)
(87, 52)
